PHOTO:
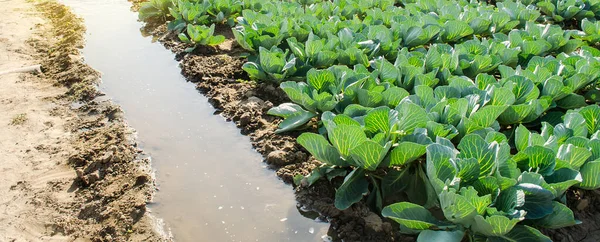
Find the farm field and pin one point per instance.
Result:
(301, 120)
(451, 120)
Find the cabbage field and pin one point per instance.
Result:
(483, 115)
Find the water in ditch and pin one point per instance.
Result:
(213, 186)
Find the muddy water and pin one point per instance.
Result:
(213, 186)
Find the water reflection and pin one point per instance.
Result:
(213, 186)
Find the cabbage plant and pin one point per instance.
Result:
(309, 99)
(224, 11)
(315, 52)
(484, 195)
(273, 65)
(591, 30)
(155, 10)
(200, 35)
(366, 139)
(333, 89)
(571, 147)
(563, 10)
(539, 39)
(188, 12)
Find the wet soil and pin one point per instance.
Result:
(112, 184)
(217, 73)
(586, 208)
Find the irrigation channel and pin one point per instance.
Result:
(213, 186)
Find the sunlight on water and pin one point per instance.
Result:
(213, 186)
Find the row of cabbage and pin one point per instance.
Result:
(528, 91)
(483, 190)
(565, 10)
(480, 111)
(271, 23)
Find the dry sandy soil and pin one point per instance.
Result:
(68, 163)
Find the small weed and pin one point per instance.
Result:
(19, 119)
